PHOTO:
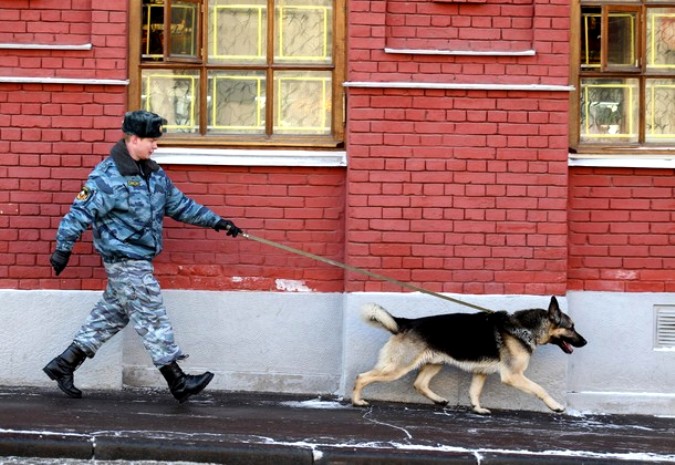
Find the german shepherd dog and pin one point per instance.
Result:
(480, 343)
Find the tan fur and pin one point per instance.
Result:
(404, 352)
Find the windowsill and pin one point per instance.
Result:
(252, 157)
(20, 46)
(622, 161)
(409, 51)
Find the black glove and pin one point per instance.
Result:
(228, 226)
(59, 261)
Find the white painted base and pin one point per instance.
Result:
(303, 342)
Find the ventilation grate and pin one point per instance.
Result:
(664, 336)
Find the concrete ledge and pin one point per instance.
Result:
(356, 456)
(541, 459)
(53, 445)
(116, 448)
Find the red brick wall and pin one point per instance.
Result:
(298, 207)
(50, 137)
(64, 22)
(45, 21)
(453, 190)
(539, 25)
(504, 25)
(621, 230)
(459, 191)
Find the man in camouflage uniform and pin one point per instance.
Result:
(125, 200)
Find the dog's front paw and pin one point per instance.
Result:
(480, 410)
(360, 403)
(442, 402)
(556, 407)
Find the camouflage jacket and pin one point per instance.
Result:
(125, 203)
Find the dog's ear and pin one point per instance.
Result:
(554, 312)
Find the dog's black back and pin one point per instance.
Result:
(464, 336)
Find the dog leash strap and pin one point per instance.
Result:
(361, 271)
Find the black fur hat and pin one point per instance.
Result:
(143, 124)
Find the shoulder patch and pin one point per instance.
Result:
(84, 194)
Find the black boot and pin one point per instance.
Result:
(61, 369)
(181, 385)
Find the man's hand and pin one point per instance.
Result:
(59, 260)
(228, 226)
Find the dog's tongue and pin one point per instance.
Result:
(568, 348)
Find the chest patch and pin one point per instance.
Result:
(134, 183)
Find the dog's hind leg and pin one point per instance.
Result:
(383, 375)
(477, 383)
(427, 372)
(520, 381)
(397, 358)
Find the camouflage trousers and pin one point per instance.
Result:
(133, 294)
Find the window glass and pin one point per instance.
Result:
(302, 101)
(625, 93)
(174, 94)
(184, 30)
(591, 21)
(661, 39)
(622, 35)
(304, 31)
(152, 36)
(244, 71)
(237, 102)
(609, 110)
(660, 110)
(237, 31)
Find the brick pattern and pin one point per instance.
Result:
(45, 22)
(424, 24)
(621, 230)
(455, 191)
(504, 25)
(64, 22)
(297, 207)
(52, 135)
(458, 191)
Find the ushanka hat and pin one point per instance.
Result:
(143, 124)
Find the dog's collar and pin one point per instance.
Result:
(525, 336)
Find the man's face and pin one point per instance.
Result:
(141, 148)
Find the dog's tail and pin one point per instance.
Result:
(375, 315)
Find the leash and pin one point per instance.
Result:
(356, 269)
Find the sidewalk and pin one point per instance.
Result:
(257, 429)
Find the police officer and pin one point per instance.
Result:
(125, 200)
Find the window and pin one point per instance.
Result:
(625, 77)
(240, 72)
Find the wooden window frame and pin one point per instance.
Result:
(319, 142)
(640, 73)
